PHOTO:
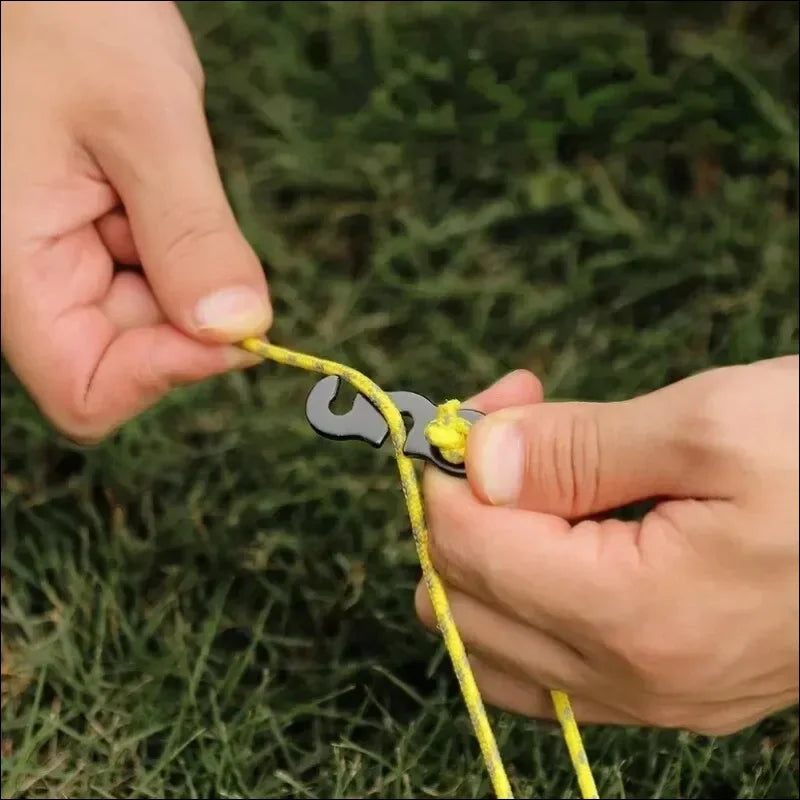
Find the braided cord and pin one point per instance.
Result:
(448, 432)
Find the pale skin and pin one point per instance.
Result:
(107, 158)
(687, 618)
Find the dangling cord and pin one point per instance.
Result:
(447, 420)
(448, 432)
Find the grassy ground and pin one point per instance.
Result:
(218, 602)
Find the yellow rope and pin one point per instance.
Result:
(448, 432)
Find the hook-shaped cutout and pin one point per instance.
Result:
(363, 422)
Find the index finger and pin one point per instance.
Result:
(518, 388)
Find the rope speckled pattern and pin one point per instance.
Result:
(447, 432)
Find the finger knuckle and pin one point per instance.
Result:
(77, 418)
(191, 228)
(711, 423)
(145, 110)
(585, 460)
(86, 410)
(706, 421)
(141, 104)
(81, 435)
(658, 714)
(686, 717)
(714, 727)
(569, 472)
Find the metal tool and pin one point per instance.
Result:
(363, 422)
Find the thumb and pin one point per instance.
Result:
(202, 271)
(579, 459)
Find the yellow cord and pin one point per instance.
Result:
(448, 432)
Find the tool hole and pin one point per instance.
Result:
(443, 464)
(345, 397)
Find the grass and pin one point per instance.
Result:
(217, 602)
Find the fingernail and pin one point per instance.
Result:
(500, 461)
(237, 311)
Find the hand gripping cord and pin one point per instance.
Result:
(449, 433)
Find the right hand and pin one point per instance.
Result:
(685, 618)
(107, 158)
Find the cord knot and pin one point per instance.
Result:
(448, 432)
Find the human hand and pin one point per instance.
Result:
(107, 158)
(685, 619)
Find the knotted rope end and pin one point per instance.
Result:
(448, 432)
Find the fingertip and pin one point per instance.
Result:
(526, 386)
(496, 458)
(233, 313)
(237, 358)
(511, 694)
(519, 387)
(423, 607)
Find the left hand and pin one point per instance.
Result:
(687, 618)
(108, 161)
